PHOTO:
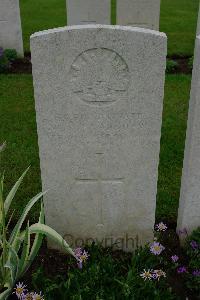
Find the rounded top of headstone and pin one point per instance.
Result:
(97, 27)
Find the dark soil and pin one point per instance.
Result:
(23, 65)
(183, 66)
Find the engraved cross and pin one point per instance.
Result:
(100, 180)
(89, 20)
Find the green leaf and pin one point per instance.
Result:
(5, 294)
(52, 234)
(16, 230)
(12, 263)
(13, 191)
(37, 242)
(2, 211)
(2, 147)
(25, 252)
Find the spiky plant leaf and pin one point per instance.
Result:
(13, 191)
(36, 244)
(5, 294)
(53, 235)
(25, 252)
(12, 264)
(17, 227)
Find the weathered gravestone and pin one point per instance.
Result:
(82, 12)
(10, 26)
(139, 13)
(189, 205)
(98, 95)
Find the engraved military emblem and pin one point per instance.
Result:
(99, 76)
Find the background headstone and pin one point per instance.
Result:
(10, 26)
(189, 204)
(82, 12)
(139, 13)
(99, 98)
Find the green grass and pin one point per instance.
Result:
(178, 20)
(18, 128)
(177, 90)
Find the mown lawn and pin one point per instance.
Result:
(178, 20)
(18, 128)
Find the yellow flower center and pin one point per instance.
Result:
(38, 298)
(19, 290)
(83, 258)
(157, 248)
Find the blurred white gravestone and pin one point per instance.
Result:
(139, 13)
(82, 12)
(10, 26)
(189, 204)
(99, 98)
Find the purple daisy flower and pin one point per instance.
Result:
(174, 258)
(196, 273)
(194, 245)
(156, 248)
(37, 296)
(161, 227)
(181, 270)
(20, 290)
(78, 252)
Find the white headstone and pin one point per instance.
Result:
(10, 26)
(189, 204)
(139, 13)
(99, 98)
(82, 12)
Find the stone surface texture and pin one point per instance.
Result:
(10, 26)
(189, 204)
(139, 13)
(99, 98)
(82, 12)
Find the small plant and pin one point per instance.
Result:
(16, 251)
(190, 62)
(11, 54)
(110, 275)
(7, 56)
(4, 62)
(172, 66)
(192, 248)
